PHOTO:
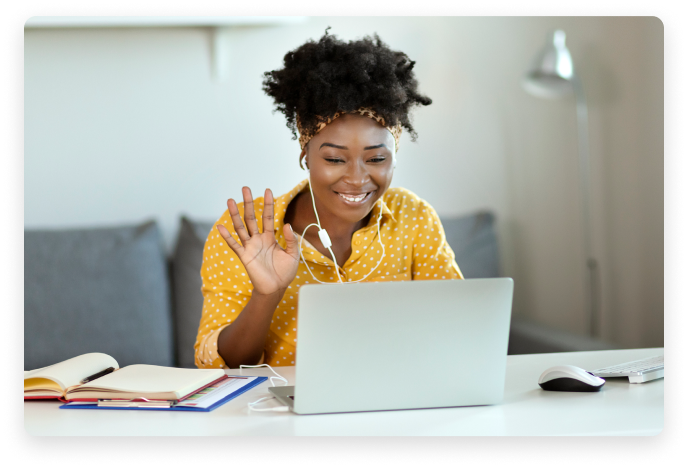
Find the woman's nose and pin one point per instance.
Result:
(357, 173)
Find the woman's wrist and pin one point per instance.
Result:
(242, 342)
(267, 298)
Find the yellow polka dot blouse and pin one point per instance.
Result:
(415, 249)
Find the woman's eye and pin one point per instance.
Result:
(378, 159)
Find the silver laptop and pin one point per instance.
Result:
(400, 345)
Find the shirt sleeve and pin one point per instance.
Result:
(226, 291)
(433, 258)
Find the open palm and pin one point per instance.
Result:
(270, 267)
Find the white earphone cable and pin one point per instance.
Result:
(271, 377)
(379, 234)
(251, 405)
(379, 237)
(306, 263)
(310, 186)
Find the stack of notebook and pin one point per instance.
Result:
(96, 379)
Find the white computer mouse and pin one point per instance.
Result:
(569, 378)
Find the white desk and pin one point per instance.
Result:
(618, 409)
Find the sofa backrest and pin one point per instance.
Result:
(108, 289)
(473, 239)
(186, 280)
(97, 290)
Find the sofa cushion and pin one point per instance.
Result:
(96, 290)
(186, 278)
(474, 242)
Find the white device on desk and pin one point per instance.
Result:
(638, 371)
(575, 379)
(569, 378)
(357, 342)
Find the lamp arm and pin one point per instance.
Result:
(592, 274)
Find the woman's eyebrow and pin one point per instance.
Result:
(342, 147)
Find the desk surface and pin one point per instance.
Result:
(618, 409)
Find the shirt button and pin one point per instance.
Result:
(357, 242)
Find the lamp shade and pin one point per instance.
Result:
(552, 70)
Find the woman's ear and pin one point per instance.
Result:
(303, 154)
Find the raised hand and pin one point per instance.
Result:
(270, 268)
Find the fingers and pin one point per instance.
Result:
(234, 246)
(237, 222)
(292, 243)
(268, 212)
(249, 212)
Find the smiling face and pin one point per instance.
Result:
(351, 167)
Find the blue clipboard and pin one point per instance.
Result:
(224, 400)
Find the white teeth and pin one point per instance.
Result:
(357, 198)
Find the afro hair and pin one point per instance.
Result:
(321, 78)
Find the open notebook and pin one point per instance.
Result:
(63, 380)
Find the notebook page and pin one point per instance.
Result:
(30, 373)
(72, 371)
(153, 379)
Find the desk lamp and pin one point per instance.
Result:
(552, 76)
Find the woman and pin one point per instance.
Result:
(348, 102)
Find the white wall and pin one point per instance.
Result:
(126, 124)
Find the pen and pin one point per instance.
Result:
(97, 375)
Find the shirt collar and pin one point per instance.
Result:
(283, 201)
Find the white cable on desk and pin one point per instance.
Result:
(271, 377)
(268, 409)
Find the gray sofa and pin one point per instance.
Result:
(114, 290)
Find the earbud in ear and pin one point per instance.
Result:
(303, 157)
